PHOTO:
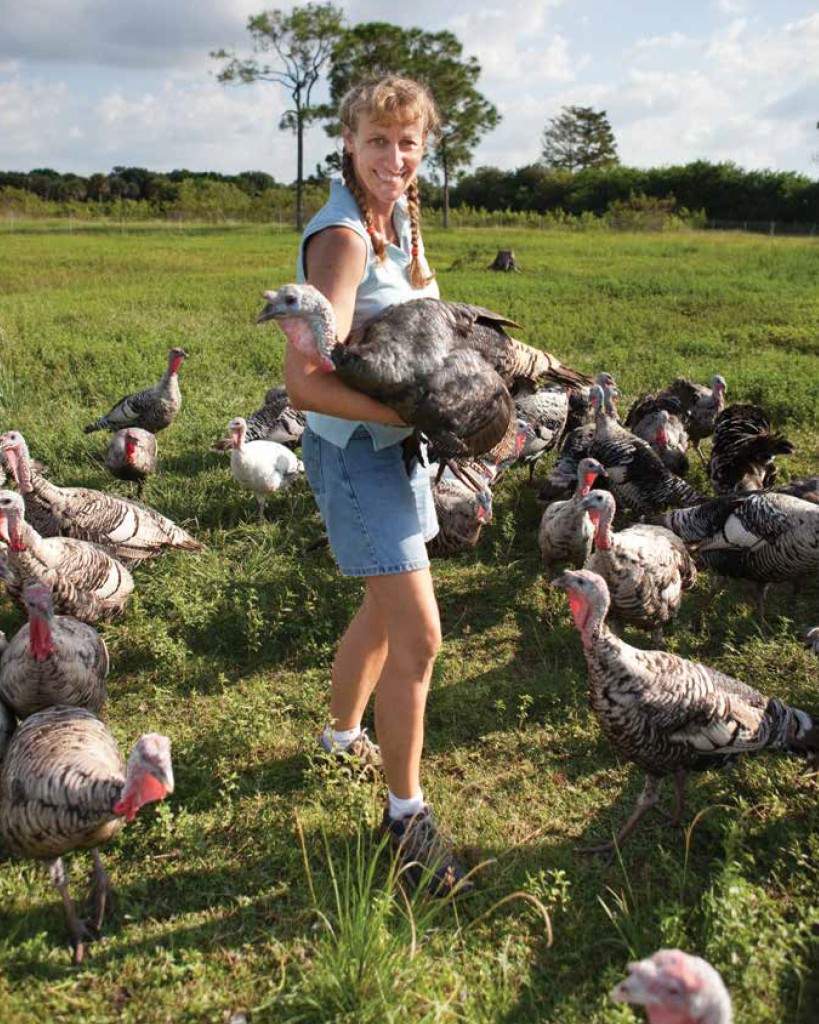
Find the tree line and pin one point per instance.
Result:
(723, 191)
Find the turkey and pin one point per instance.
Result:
(6, 718)
(659, 421)
(669, 715)
(742, 456)
(676, 988)
(462, 513)
(64, 787)
(131, 456)
(765, 537)
(263, 467)
(565, 533)
(153, 409)
(126, 529)
(576, 444)
(545, 411)
(636, 475)
(812, 640)
(445, 367)
(700, 406)
(275, 421)
(85, 581)
(806, 488)
(646, 568)
(53, 659)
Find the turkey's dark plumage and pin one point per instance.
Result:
(742, 456)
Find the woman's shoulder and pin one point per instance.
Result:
(340, 210)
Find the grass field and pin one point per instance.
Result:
(254, 889)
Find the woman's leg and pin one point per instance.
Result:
(406, 606)
(357, 666)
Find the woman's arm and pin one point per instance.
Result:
(335, 260)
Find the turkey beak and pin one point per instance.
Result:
(164, 776)
(269, 311)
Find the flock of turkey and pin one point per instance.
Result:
(66, 552)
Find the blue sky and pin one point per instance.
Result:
(85, 86)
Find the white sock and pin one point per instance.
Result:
(401, 808)
(341, 740)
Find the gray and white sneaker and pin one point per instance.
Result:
(361, 754)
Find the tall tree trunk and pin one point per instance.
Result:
(445, 168)
(300, 170)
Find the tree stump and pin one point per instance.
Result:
(505, 260)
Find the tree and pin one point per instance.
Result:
(301, 42)
(436, 59)
(579, 137)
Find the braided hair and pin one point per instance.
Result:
(389, 100)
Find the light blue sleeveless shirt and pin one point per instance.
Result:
(383, 283)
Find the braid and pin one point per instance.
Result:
(351, 181)
(418, 278)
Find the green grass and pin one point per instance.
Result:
(257, 887)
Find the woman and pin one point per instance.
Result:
(364, 251)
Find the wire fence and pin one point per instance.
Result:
(764, 227)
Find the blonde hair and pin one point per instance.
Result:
(390, 100)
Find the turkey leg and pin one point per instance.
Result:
(79, 933)
(100, 891)
(645, 801)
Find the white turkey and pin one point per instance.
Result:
(660, 422)
(125, 528)
(744, 449)
(565, 532)
(276, 420)
(52, 659)
(445, 367)
(131, 456)
(263, 467)
(676, 988)
(85, 581)
(646, 568)
(64, 787)
(700, 406)
(764, 536)
(669, 715)
(152, 409)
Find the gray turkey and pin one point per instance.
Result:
(85, 581)
(668, 715)
(659, 420)
(6, 720)
(131, 456)
(64, 787)
(765, 537)
(153, 409)
(276, 420)
(545, 411)
(446, 368)
(806, 488)
(125, 528)
(700, 406)
(744, 449)
(462, 512)
(52, 659)
(812, 640)
(565, 532)
(646, 568)
(676, 988)
(577, 442)
(636, 474)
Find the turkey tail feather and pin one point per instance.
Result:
(534, 364)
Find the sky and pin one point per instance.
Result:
(86, 85)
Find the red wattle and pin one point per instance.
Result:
(40, 643)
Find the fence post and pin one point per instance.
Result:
(772, 230)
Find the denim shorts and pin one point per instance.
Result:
(378, 517)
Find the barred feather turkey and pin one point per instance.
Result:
(765, 537)
(52, 659)
(126, 529)
(700, 406)
(669, 715)
(64, 787)
(744, 449)
(276, 420)
(7, 722)
(85, 581)
(646, 568)
(131, 456)
(153, 409)
(545, 411)
(565, 532)
(462, 512)
(659, 421)
(445, 367)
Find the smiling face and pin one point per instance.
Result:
(386, 157)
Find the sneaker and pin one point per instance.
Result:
(425, 854)
(362, 753)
